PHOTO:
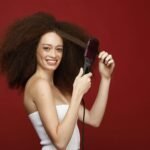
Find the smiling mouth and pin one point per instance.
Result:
(51, 62)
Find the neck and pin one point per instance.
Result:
(47, 75)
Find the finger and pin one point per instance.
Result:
(89, 80)
(108, 58)
(80, 73)
(100, 54)
(103, 57)
(110, 62)
(89, 75)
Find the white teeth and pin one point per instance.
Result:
(51, 62)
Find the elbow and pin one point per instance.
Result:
(59, 142)
(60, 145)
(96, 124)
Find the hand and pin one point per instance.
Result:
(106, 64)
(82, 82)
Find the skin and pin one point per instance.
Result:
(42, 95)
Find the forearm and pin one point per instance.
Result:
(66, 127)
(99, 106)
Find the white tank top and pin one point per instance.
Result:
(45, 141)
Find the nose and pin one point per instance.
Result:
(53, 52)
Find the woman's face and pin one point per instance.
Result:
(49, 51)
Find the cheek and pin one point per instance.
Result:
(41, 54)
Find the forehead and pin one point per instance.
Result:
(51, 38)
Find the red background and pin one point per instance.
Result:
(122, 27)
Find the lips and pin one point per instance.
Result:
(51, 61)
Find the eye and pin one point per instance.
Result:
(59, 49)
(46, 48)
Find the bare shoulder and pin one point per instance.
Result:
(35, 90)
(36, 82)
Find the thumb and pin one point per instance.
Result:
(80, 72)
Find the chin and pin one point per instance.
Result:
(52, 68)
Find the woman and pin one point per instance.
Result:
(47, 66)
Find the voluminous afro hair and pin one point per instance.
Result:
(18, 50)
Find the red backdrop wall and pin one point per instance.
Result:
(122, 27)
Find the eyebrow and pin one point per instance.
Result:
(50, 44)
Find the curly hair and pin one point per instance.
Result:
(18, 50)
